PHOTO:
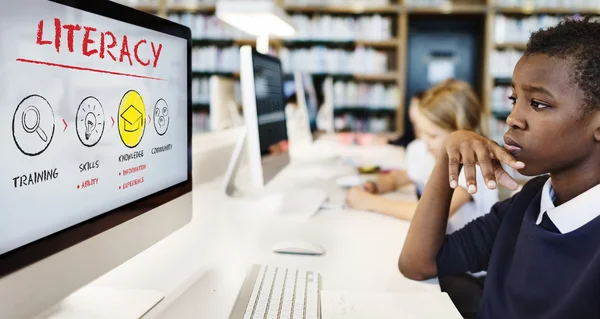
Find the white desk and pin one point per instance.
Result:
(201, 267)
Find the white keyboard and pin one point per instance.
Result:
(271, 292)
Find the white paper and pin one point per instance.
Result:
(360, 305)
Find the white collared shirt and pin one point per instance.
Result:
(572, 214)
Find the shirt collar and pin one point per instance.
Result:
(570, 215)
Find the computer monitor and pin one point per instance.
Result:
(309, 97)
(96, 143)
(301, 109)
(264, 115)
(224, 97)
(325, 116)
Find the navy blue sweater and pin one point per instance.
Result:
(531, 272)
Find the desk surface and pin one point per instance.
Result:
(207, 260)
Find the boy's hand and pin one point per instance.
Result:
(470, 149)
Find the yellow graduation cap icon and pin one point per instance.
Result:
(132, 119)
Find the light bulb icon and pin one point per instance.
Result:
(90, 124)
(89, 121)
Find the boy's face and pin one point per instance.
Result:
(546, 128)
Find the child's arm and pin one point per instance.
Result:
(428, 228)
(360, 199)
(386, 183)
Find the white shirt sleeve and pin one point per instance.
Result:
(419, 163)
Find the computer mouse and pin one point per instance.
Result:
(298, 247)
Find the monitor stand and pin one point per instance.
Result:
(296, 203)
(234, 165)
(93, 302)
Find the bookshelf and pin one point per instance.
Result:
(510, 29)
(459, 8)
(529, 10)
(498, 15)
(362, 8)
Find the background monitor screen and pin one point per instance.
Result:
(95, 115)
(270, 104)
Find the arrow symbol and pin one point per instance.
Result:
(113, 121)
(148, 118)
(66, 125)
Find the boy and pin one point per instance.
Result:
(541, 248)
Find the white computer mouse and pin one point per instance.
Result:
(298, 247)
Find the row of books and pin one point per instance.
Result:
(135, 3)
(342, 28)
(361, 123)
(216, 59)
(574, 4)
(191, 2)
(337, 2)
(500, 99)
(503, 63)
(318, 27)
(320, 59)
(207, 26)
(200, 90)
(427, 3)
(517, 30)
(200, 122)
(354, 94)
(497, 128)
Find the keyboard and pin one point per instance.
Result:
(272, 292)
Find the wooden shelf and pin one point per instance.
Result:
(540, 10)
(508, 45)
(343, 9)
(148, 8)
(392, 43)
(199, 8)
(451, 9)
(383, 77)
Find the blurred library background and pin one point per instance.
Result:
(368, 57)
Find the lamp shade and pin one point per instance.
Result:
(257, 18)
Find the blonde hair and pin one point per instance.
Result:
(453, 105)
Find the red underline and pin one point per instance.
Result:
(65, 66)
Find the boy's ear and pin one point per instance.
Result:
(596, 123)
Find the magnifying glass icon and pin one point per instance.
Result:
(31, 122)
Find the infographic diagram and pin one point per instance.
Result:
(132, 119)
(89, 121)
(33, 125)
(161, 117)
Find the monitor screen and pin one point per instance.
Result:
(95, 115)
(270, 105)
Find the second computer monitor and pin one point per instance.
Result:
(264, 114)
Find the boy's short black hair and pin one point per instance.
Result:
(579, 42)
